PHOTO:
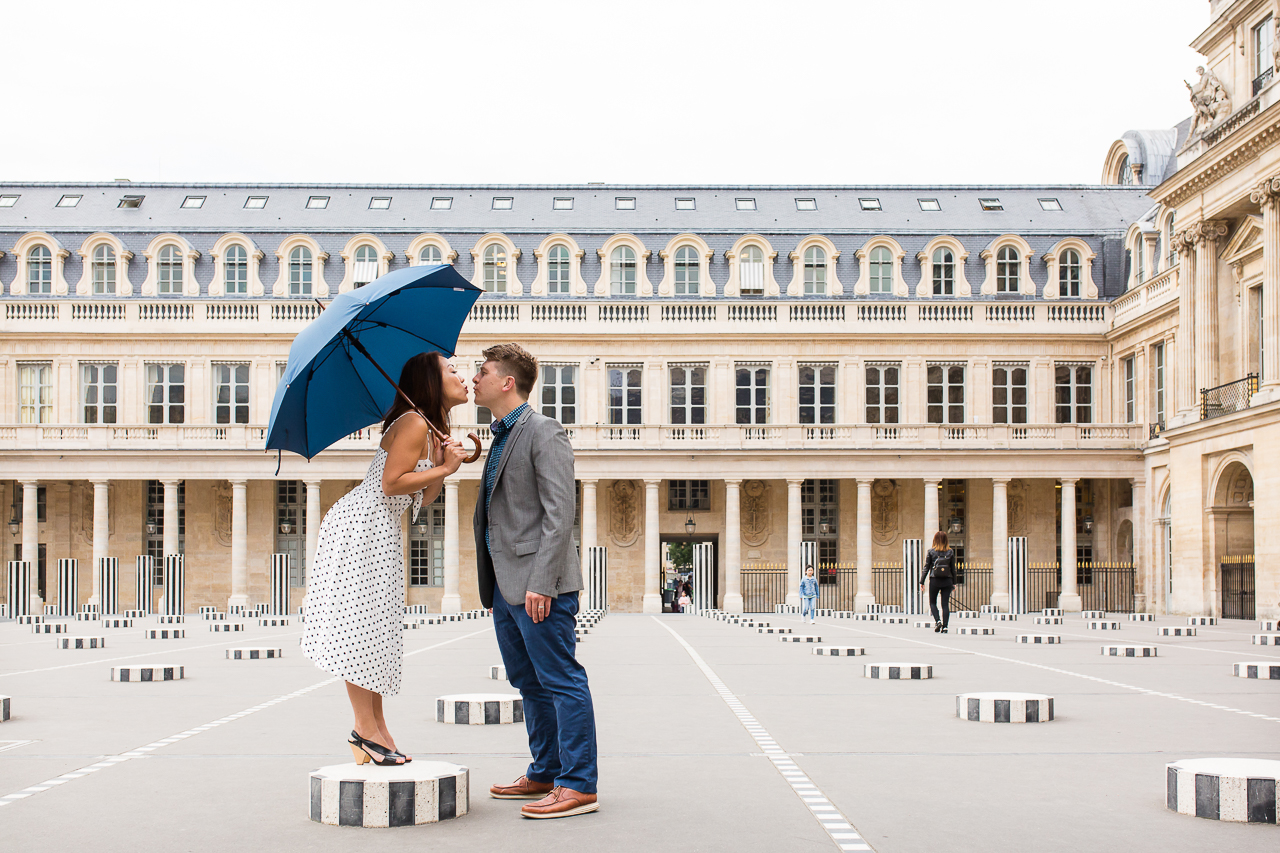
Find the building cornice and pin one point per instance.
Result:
(1236, 151)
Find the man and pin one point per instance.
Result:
(524, 546)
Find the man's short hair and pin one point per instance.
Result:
(515, 361)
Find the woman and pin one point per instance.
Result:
(355, 605)
(940, 568)
(808, 596)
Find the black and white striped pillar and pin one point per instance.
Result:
(597, 578)
(480, 709)
(704, 576)
(145, 575)
(68, 586)
(912, 599)
(1018, 574)
(18, 588)
(1005, 707)
(175, 585)
(108, 570)
(1241, 790)
(148, 672)
(369, 796)
(279, 585)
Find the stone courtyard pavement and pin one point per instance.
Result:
(679, 768)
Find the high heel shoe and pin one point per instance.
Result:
(366, 751)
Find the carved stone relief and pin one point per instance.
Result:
(756, 515)
(82, 511)
(222, 512)
(885, 517)
(624, 520)
(1017, 508)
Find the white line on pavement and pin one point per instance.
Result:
(842, 832)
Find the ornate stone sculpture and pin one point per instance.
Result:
(222, 512)
(624, 526)
(884, 512)
(1017, 496)
(1209, 99)
(755, 513)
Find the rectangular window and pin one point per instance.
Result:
(745, 203)
(230, 393)
(929, 204)
(685, 204)
(1157, 360)
(562, 204)
(624, 204)
(990, 204)
(255, 202)
(817, 393)
(69, 201)
(688, 495)
(1050, 204)
(688, 393)
(1009, 394)
(946, 393)
(131, 202)
(35, 393)
(426, 545)
(752, 402)
(380, 203)
(317, 202)
(560, 392)
(625, 394)
(819, 514)
(166, 393)
(9, 200)
(291, 528)
(193, 201)
(442, 202)
(869, 203)
(1263, 61)
(882, 394)
(154, 529)
(1073, 393)
(1130, 403)
(98, 392)
(15, 511)
(806, 204)
(503, 202)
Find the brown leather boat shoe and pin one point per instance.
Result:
(521, 789)
(561, 802)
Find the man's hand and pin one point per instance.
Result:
(537, 606)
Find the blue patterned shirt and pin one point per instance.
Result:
(808, 587)
(501, 429)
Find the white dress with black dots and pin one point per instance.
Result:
(355, 602)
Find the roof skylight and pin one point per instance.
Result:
(1050, 204)
(745, 203)
(380, 202)
(685, 204)
(990, 204)
(562, 204)
(255, 202)
(624, 204)
(69, 200)
(193, 201)
(929, 204)
(9, 200)
(869, 203)
(806, 204)
(317, 202)
(442, 202)
(503, 202)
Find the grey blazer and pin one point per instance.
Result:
(530, 516)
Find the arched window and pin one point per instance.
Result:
(430, 255)
(104, 270)
(815, 271)
(366, 269)
(881, 270)
(39, 270)
(235, 271)
(944, 272)
(1007, 270)
(1126, 172)
(558, 270)
(1069, 273)
(169, 271)
(495, 269)
(300, 271)
(751, 271)
(622, 272)
(686, 271)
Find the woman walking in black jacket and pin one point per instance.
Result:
(940, 569)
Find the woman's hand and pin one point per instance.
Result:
(453, 454)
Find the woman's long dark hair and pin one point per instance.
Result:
(423, 380)
(940, 541)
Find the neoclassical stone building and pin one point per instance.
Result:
(785, 374)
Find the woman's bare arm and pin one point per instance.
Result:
(412, 440)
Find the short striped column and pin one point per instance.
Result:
(175, 584)
(145, 577)
(977, 631)
(1202, 620)
(108, 570)
(164, 633)
(1048, 620)
(4, 709)
(18, 588)
(498, 672)
(254, 654)
(1039, 639)
(1241, 790)
(1103, 625)
(1093, 614)
(1142, 617)
(1266, 639)
(80, 642)
(148, 672)
(1005, 707)
(480, 709)
(50, 628)
(896, 671)
(1176, 631)
(279, 605)
(1262, 669)
(1129, 651)
(839, 651)
(800, 638)
(68, 586)
(408, 795)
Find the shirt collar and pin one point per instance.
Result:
(502, 425)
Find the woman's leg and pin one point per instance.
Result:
(946, 605)
(933, 600)
(368, 722)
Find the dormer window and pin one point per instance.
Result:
(502, 203)
(193, 202)
(929, 204)
(255, 202)
(69, 200)
(624, 204)
(317, 202)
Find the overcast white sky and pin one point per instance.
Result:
(695, 91)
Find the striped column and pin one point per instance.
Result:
(108, 569)
(597, 578)
(704, 576)
(18, 588)
(1018, 574)
(911, 597)
(68, 587)
(174, 585)
(279, 585)
(145, 566)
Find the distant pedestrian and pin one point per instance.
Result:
(808, 595)
(940, 569)
(685, 592)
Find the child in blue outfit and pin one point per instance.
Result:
(808, 595)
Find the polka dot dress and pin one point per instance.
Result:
(355, 601)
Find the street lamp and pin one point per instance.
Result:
(1088, 523)
(955, 526)
(824, 528)
(689, 525)
(286, 527)
(152, 527)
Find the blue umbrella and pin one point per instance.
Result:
(339, 375)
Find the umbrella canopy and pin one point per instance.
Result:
(330, 389)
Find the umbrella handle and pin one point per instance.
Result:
(475, 454)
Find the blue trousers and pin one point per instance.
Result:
(807, 606)
(558, 714)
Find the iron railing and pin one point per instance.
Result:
(973, 585)
(1239, 591)
(763, 589)
(1102, 585)
(1260, 82)
(1228, 397)
(837, 583)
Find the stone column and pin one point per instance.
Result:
(794, 536)
(930, 515)
(1069, 598)
(866, 582)
(1184, 378)
(732, 547)
(1267, 194)
(588, 521)
(31, 539)
(313, 527)
(1207, 303)
(1000, 543)
(452, 600)
(1143, 597)
(239, 544)
(652, 546)
(170, 540)
(101, 533)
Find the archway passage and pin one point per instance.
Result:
(1233, 541)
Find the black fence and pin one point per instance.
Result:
(838, 585)
(763, 589)
(1228, 397)
(1102, 586)
(1238, 587)
(973, 586)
